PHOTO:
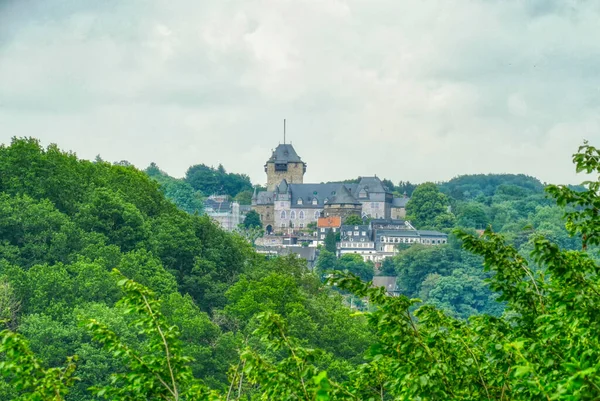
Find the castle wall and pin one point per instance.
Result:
(342, 211)
(293, 175)
(266, 213)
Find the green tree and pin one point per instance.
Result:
(428, 207)
(353, 220)
(330, 242)
(252, 220)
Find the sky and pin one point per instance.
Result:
(417, 90)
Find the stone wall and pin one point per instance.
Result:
(293, 175)
(342, 211)
(266, 213)
(398, 213)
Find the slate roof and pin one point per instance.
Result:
(396, 233)
(400, 202)
(264, 198)
(391, 222)
(343, 197)
(309, 191)
(284, 153)
(371, 184)
(388, 282)
(427, 233)
(217, 206)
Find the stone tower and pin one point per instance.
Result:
(284, 164)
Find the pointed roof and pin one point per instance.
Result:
(283, 187)
(284, 153)
(371, 184)
(343, 197)
(255, 194)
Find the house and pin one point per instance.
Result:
(326, 224)
(359, 240)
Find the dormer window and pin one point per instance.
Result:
(315, 201)
(325, 200)
(299, 201)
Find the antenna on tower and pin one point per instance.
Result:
(284, 131)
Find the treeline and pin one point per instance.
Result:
(66, 223)
(200, 181)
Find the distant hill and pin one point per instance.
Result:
(466, 187)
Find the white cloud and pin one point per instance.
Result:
(409, 90)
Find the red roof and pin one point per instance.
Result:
(329, 222)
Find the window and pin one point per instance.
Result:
(325, 200)
(363, 233)
(282, 225)
(301, 215)
(283, 214)
(349, 233)
(322, 236)
(317, 214)
(356, 233)
(293, 215)
(301, 225)
(299, 201)
(334, 229)
(315, 201)
(322, 230)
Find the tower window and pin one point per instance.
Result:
(281, 167)
(283, 214)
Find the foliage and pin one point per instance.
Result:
(210, 181)
(330, 242)
(428, 208)
(353, 220)
(252, 220)
(282, 333)
(177, 190)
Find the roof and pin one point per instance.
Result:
(427, 233)
(397, 233)
(329, 222)
(400, 202)
(307, 192)
(343, 197)
(389, 222)
(264, 198)
(371, 184)
(362, 227)
(389, 282)
(283, 187)
(217, 206)
(284, 153)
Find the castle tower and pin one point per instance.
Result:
(284, 164)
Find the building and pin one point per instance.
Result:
(359, 240)
(223, 211)
(326, 224)
(387, 282)
(342, 204)
(284, 164)
(289, 205)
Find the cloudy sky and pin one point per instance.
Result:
(406, 89)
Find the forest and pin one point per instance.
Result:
(111, 290)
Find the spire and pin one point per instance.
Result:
(255, 194)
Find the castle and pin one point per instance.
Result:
(290, 205)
